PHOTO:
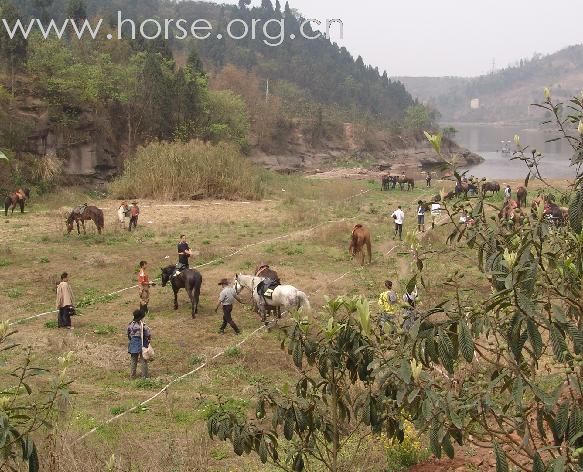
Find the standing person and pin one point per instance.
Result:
(421, 216)
(139, 335)
(122, 212)
(410, 300)
(435, 213)
(226, 299)
(184, 253)
(388, 302)
(144, 285)
(134, 214)
(507, 193)
(428, 179)
(65, 302)
(399, 218)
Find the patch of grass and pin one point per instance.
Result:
(44, 260)
(206, 242)
(402, 456)
(196, 360)
(14, 293)
(4, 263)
(219, 454)
(104, 329)
(149, 384)
(51, 324)
(91, 297)
(184, 417)
(149, 235)
(117, 410)
(237, 407)
(234, 351)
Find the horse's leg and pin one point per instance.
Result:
(83, 224)
(175, 297)
(196, 299)
(78, 228)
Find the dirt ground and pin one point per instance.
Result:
(303, 233)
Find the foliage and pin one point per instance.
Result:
(180, 170)
(24, 411)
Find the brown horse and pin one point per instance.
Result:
(16, 198)
(89, 213)
(510, 212)
(493, 187)
(360, 238)
(521, 196)
(403, 180)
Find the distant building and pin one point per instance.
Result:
(475, 104)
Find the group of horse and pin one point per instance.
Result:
(513, 211)
(390, 182)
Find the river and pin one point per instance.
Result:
(486, 140)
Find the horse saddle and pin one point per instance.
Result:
(80, 209)
(266, 287)
(179, 269)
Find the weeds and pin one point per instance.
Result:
(149, 384)
(104, 329)
(14, 293)
(51, 324)
(233, 352)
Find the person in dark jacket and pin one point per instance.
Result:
(136, 341)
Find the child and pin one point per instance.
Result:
(421, 216)
(144, 285)
(226, 298)
(134, 213)
(136, 341)
(388, 302)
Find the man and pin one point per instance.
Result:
(226, 299)
(421, 216)
(65, 302)
(144, 285)
(134, 213)
(184, 253)
(428, 179)
(507, 193)
(399, 217)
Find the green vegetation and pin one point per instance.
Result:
(180, 170)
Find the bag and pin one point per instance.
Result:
(148, 353)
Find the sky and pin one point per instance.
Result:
(448, 37)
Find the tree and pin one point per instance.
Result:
(76, 10)
(244, 4)
(267, 5)
(194, 62)
(287, 9)
(278, 7)
(13, 50)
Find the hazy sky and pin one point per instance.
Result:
(448, 37)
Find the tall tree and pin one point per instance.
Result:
(194, 61)
(76, 10)
(267, 5)
(244, 4)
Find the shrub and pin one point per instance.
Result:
(180, 170)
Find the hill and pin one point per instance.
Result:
(506, 95)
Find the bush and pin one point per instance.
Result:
(180, 170)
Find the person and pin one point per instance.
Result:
(184, 253)
(410, 300)
(134, 214)
(507, 193)
(137, 340)
(428, 179)
(226, 299)
(144, 285)
(399, 218)
(122, 212)
(435, 213)
(421, 216)
(464, 217)
(65, 302)
(388, 302)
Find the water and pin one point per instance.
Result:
(486, 140)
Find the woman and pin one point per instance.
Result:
(65, 302)
(137, 340)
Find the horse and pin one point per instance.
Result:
(283, 296)
(89, 213)
(493, 187)
(385, 183)
(408, 181)
(521, 195)
(16, 198)
(188, 279)
(360, 238)
(510, 212)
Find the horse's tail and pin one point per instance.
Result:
(303, 301)
(369, 249)
(7, 203)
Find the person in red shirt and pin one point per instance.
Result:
(144, 285)
(134, 213)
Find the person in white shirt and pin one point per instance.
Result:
(435, 213)
(507, 193)
(421, 216)
(399, 218)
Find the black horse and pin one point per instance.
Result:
(189, 279)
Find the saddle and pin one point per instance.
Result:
(266, 287)
(179, 269)
(80, 209)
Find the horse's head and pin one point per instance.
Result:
(69, 222)
(166, 274)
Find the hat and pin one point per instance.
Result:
(139, 315)
(224, 282)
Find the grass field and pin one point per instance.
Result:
(303, 231)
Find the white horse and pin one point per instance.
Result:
(284, 296)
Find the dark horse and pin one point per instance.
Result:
(89, 213)
(263, 270)
(16, 198)
(188, 279)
